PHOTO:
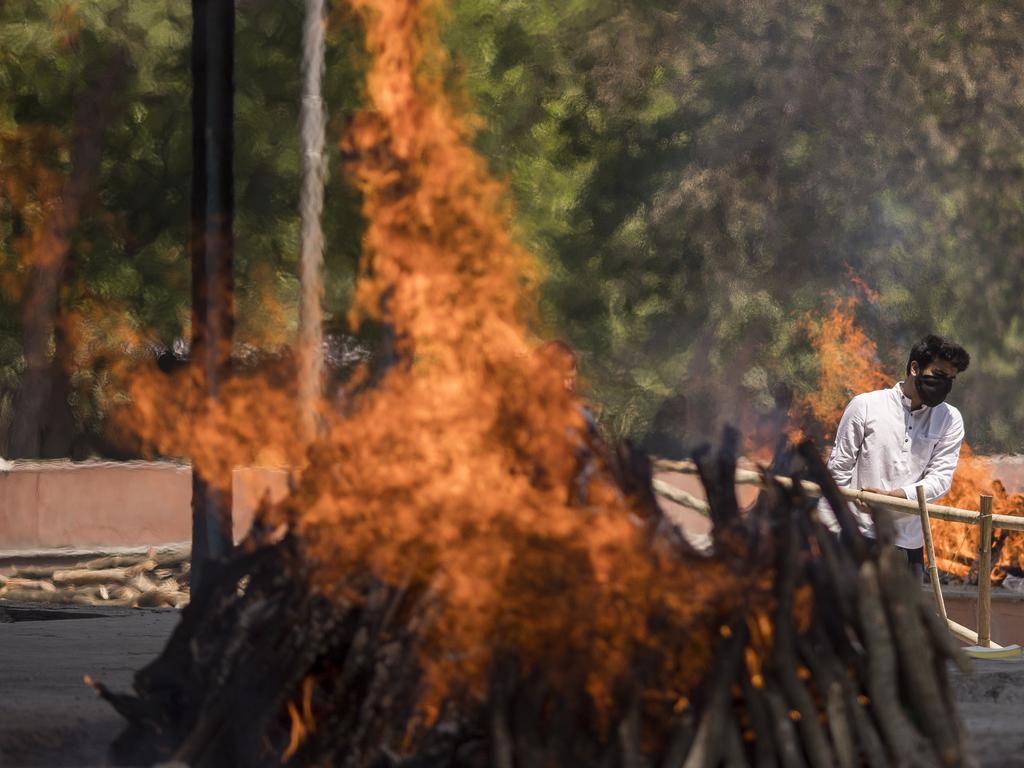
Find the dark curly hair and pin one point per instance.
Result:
(933, 347)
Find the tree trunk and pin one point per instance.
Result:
(212, 245)
(48, 256)
(311, 203)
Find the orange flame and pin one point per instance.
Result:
(30, 183)
(956, 546)
(847, 362)
(459, 472)
(302, 723)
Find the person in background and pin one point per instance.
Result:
(892, 440)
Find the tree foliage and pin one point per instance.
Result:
(127, 282)
(698, 178)
(702, 176)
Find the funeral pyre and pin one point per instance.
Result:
(783, 646)
(465, 574)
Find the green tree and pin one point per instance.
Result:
(699, 176)
(126, 277)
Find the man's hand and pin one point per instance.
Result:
(899, 493)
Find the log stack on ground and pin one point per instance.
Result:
(156, 578)
(836, 661)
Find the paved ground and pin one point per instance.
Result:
(48, 717)
(991, 702)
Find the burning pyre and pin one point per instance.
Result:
(466, 575)
(806, 652)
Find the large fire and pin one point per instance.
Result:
(468, 469)
(848, 364)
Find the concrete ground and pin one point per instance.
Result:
(991, 703)
(49, 717)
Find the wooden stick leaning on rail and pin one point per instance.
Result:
(985, 573)
(966, 634)
(903, 506)
(929, 544)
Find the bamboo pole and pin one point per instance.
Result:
(985, 574)
(966, 634)
(933, 569)
(903, 506)
(679, 496)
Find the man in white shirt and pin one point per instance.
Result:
(892, 440)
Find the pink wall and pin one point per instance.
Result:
(64, 504)
(60, 504)
(1007, 612)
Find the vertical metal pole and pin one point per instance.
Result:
(929, 544)
(212, 251)
(985, 573)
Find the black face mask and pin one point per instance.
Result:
(932, 389)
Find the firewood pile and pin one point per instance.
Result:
(156, 578)
(837, 661)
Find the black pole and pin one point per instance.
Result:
(212, 250)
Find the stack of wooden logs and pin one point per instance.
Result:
(149, 579)
(843, 664)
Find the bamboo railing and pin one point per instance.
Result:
(984, 519)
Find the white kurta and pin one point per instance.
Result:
(881, 443)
